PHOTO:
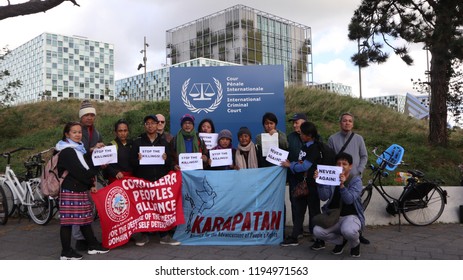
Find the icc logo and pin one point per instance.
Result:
(202, 93)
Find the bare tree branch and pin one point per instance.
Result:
(30, 7)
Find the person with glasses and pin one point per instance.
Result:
(162, 128)
(187, 140)
(151, 172)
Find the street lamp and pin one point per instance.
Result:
(144, 66)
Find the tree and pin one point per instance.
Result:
(7, 95)
(455, 97)
(438, 24)
(30, 7)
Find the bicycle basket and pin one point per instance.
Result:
(393, 155)
(418, 191)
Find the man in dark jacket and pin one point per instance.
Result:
(151, 172)
(150, 138)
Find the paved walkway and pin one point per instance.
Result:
(24, 240)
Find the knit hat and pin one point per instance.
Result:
(224, 133)
(187, 117)
(86, 108)
(244, 130)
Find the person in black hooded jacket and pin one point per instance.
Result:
(151, 172)
(150, 138)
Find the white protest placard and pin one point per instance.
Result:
(328, 175)
(276, 155)
(221, 157)
(268, 141)
(152, 155)
(210, 139)
(105, 155)
(190, 161)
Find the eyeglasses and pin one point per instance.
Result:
(162, 121)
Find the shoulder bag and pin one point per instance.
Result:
(328, 218)
(301, 189)
(347, 143)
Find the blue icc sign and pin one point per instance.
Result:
(232, 96)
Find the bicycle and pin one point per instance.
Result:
(24, 195)
(421, 202)
(3, 208)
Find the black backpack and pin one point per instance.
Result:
(327, 155)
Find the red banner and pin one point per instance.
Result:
(135, 205)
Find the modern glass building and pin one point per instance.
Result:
(246, 36)
(335, 87)
(55, 67)
(416, 106)
(395, 102)
(157, 81)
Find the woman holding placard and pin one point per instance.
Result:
(224, 142)
(264, 140)
(187, 140)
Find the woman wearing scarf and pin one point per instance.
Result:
(74, 202)
(224, 141)
(246, 156)
(188, 141)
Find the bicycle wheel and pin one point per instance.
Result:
(365, 196)
(3, 208)
(9, 199)
(40, 208)
(424, 211)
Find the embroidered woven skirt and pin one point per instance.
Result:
(75, 208)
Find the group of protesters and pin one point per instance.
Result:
(81, 138)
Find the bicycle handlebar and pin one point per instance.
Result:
(46, 151)
(7, 154)
(37, 157)
(39, 154)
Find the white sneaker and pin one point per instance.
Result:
(70, 255)
(167, 240)
(141, 239)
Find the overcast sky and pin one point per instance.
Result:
(124, 23)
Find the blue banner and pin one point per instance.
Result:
(232, 96)
(233, 207)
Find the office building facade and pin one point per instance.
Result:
(245, 36)
(395, 102)
(416, 106)
(55, 67)
(157, 81)
(335, 87)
